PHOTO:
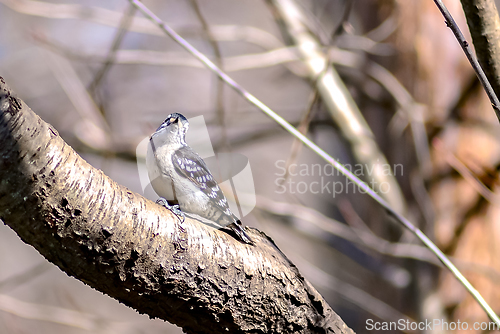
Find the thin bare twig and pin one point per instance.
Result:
(466, 173)
(218, 62)
(112, 18)
(120, 34)
(303, 128)
(93, 130)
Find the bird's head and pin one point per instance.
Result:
(174, 128)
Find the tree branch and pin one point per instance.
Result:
(133, 250)
(484, 26)
(450, 22)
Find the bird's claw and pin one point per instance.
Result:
(175, 209)
(162, 202)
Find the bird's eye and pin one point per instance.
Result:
(173, 120)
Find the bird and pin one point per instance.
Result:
(180, 176)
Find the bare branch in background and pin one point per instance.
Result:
(341, 27)
(142, 25)
(357, 236)
(352, 294)
(93, 129)
(450, 22)
(466, 173)
(219, 90)
(125, 22)
(340, 103)
(303, 128)
(11, 283)
(484, 26)
(62, 316)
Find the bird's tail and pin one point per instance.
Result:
(240, 232)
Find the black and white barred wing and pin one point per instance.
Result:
(191, 166)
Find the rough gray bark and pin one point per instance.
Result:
(484, 26)
(128, 247)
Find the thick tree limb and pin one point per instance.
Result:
(128, 247)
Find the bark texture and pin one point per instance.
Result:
(128, 247)
(484, 25)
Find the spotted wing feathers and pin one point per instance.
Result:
(191, 166)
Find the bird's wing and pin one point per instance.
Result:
(191, 166)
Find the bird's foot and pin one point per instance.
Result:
(175, 209)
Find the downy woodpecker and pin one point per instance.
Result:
(178, 174)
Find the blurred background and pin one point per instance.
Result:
(398, 104)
